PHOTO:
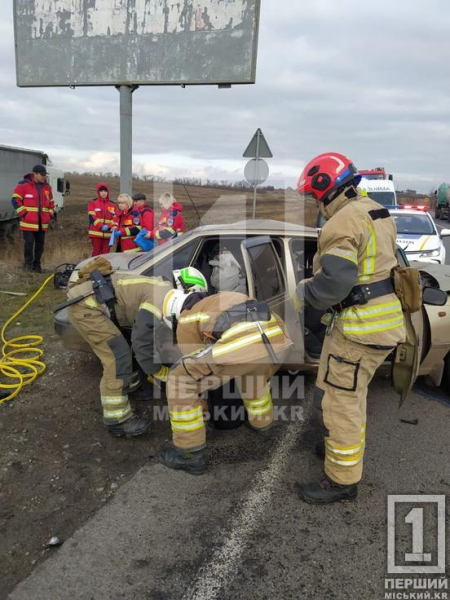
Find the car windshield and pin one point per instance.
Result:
(414, 224)
(143, 257)
(383, 198)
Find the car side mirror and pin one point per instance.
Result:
(445, 233)
(434, 296)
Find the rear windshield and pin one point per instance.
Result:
(414, 224)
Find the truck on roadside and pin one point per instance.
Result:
(442, 202)
(14, 164)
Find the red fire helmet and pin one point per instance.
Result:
(325, 173)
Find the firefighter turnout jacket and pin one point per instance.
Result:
(33, 203)
(101, 212)
(357, 247)
(137, 306)
(210, 357)
(356, 250)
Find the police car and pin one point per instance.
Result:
(418, 236)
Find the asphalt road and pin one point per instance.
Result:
(444, 225)
(240, 532)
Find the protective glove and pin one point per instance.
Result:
(105, 228)
(298, 299)
(160, 376)
(117, 233)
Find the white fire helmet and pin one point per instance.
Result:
(173, 305)
(190, 280)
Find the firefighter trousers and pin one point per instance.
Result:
(198, 373)
(345, 371)
(115, 355)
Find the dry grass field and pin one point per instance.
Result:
(69, 241)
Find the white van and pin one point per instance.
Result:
(380, 190)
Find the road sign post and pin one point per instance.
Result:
(257, 170)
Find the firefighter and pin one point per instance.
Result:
(102, 212)
(352, 281)
(33, 201)
(127, 224)
(170, 222)
(137, 305)
(219, 341)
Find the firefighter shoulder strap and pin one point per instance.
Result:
(408, 288)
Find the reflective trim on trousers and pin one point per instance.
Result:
(260, 406)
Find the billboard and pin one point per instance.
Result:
(135, 42)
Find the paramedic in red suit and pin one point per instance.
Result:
(33, 200)
(170, 222)
(127, 224)
(101, 211)
(145, 211)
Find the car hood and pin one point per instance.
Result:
(441, 273)
(417, 242)
(118, 260)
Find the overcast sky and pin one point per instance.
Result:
(368, 79)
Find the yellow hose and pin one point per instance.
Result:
(25, 344)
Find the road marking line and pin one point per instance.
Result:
(216, 572)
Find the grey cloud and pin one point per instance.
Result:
(365, 79)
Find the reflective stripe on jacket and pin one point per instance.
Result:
(34, 209)
(129, 225)
(241, 343)
(357, 245)
(138, 306)
(101, 212)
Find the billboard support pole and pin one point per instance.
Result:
(126, 137)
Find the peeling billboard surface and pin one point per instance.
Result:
(111, 42)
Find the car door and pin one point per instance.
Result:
(405, 365)
(267, 281)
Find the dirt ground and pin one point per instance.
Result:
(59, 464)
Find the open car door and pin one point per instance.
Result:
(267, 281)
(405, 366)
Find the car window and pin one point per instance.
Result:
(227, 271)
(267, 275)
(180, 258)
(414, 224)
(303, 251)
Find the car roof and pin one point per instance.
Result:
(254, 225)
(407, 211)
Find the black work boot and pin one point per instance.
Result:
(192, 462)
(132, 427)
(327, 491)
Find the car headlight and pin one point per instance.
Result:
(430, 253)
